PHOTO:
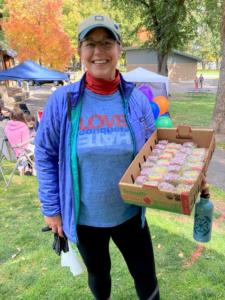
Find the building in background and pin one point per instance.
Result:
(181, 66)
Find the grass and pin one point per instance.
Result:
(186, 269)
(193, 110)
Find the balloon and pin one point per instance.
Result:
(155, 109)
(165, 115)
(145, 89)
(163, 104)
(163, 122)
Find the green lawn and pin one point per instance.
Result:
(209, 73)
(186, 269)
(193, 110)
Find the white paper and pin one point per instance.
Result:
(70, 259)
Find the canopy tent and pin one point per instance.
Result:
(158, 83)
(29, 70)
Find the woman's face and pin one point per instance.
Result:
(100, 54)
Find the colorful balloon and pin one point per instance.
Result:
(164, 122)
(155, 109)
(163, 104)
(145, 89)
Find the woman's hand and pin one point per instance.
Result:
(55, 223)
(204, 185)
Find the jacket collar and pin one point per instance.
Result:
(125, 88)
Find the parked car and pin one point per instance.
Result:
(41, 82)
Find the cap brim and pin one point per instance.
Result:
(87, 30)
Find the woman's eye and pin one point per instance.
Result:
(108, 43)
(91, 44)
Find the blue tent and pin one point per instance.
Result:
(29, 70)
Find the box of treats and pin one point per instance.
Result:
(167, 172)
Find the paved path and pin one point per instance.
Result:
(216, 171)
(186, 86)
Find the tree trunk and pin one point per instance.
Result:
(218, 121)
(162, 64)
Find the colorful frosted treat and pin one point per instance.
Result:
(173, 146)
(151, 158)
(186, 150)
(191, 174)
(171, 151)
(140, 180)
(151, 183)
(163, 162)
(147, 171)
(193, 166)
(147, 164)
(165, 186)
(160, 170)
(157, 178)
(165, 155)
(193, 158)
(171, 178)
(199, 152)
(177, 161)
(174, 168)
(186, 181)
(189, 145)
(180, 188)
(180, 155)
(160, 146)
(163, 142)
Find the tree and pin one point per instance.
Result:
(219, 110)
(171, 23)
(206, 44)
(75, 11)
(33, 28)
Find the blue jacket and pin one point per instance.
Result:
(53, 150)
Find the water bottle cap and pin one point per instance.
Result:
(205, 194)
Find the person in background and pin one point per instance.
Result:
(89, 134)
(17, 132)
(201, 80)
(196, 82)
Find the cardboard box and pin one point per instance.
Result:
(151, 196)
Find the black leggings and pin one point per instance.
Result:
(134, 242)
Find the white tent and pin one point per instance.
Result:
(141, 75)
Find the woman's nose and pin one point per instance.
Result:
(98, 48)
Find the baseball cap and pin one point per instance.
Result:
(98, 21)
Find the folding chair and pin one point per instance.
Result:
(8, 153)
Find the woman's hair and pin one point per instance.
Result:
(29, 117)
(17, 115)
(30, 120)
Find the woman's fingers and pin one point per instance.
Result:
(55, 224)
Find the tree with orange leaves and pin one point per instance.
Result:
(34, 29)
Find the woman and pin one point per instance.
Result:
(88, 136)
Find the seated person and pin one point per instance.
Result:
(17, 132)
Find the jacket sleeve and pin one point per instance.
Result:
(148, 116)
(47, 157)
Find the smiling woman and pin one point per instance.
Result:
(100, 52)
(89, 133)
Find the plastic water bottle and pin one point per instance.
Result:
(203, 218)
